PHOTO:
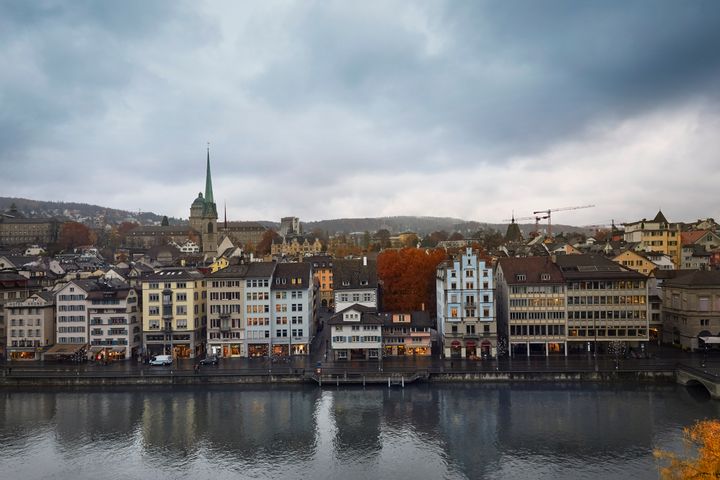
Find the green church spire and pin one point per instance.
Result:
(208, 181)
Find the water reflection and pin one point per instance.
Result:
(427, 431)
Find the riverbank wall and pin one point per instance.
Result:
(329, 379)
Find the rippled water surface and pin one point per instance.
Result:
(525, 431)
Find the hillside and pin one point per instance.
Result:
(79, 212)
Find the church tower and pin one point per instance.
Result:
(203, 215)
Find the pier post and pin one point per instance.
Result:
(388, 382)
(402, 381)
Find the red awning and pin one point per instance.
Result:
(470, 343)
(485, 343)
(455, 343)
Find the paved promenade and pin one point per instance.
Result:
(661, 359)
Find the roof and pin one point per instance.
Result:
(696, 278)
(159, 229)
(367, 316)
(660, 218)
(320, 261)
(418, 319)
(591, 267)
(20, 260)
(170, 274)
(286, 272)
(695, 236)
(353, 275)
(513, 233)
(10, 280)
(532, 268)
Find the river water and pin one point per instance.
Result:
(424, 431)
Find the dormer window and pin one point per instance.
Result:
(346, 283)
(520, 277)
(545, 277)
(363, 282)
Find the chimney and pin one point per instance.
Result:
(364, 261)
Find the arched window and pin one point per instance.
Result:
(210, 227)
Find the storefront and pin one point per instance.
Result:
(232, 350)
(182, 350)
(455, 349)
(471, 350)
(486, 348)
(258, 350)
(299, 349)
(23, 354)
(281, 350)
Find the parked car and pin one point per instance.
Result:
(211, 360)
(161, 360)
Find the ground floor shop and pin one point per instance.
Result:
(405, 350)
(470, 349)
(181, 346)
(356, 354)
(527, 348)
(227, 350)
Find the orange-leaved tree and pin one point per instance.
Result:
(408, 278)
(704, 439)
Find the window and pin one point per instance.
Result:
(520, 277)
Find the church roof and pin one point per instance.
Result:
(513, 233)
(660, 218)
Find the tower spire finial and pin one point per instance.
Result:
(208, 180)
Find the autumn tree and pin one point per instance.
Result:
(382, 238)
(74, 234)
(408, 278)
(702, 438)
(456, 236)
(410, 241)
(165, 222)
(265, 245)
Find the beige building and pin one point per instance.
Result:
(636, 261)
(691, 308)
(31, 326)
(174, 313)
(531, 296)
(226, 319)
(20, 231)
(13, 288)
(606, 303)
(295, 247)
(657, 235)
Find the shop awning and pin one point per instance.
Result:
(118, 350)
(455, 343)
(96, 349)
(65, 349)
(470, 343)
(710, 339)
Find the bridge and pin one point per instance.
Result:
(689, 376)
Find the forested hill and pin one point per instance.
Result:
(82, 212)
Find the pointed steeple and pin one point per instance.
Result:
(208, 180)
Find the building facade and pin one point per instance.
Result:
(115, 325)
(13, 288)
(22, 231)
(531, 296)
(355, 283)
(657, 235)
(606, 303)
(174, 313)
(258, 305)
(466, 319)
(31, 326)
(406, 334)
(322, 266)
(356, 333)
(226, 318)
(293, 308)
(691, 308)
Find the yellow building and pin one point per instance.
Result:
(656, 235)
(635, 261)
(219, 264)
(174, 313)
(322, 267)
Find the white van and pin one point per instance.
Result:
(161, 360)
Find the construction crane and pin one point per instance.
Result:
(534, 217)
(547, 214)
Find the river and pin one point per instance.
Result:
(527, 431)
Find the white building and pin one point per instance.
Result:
(258, 329)
(355, 283)
(465, 307)
(356, 333)
(293, 303)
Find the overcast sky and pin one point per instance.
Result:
(346, 109)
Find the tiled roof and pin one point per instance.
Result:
(352, 274)
(696, 278)
(532, 268)
(694, 236)
(286, 272)
(367, 316)
(174, 274)
(418, 319)
(591, 267)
